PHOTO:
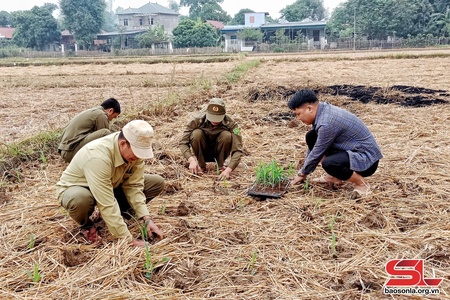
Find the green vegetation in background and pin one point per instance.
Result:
(240, 70)
(36, 28)
(84, 19)
(190, 33)
(33, 147)
(153, 37)
(120, 60)
(206, 10)
(380, 19)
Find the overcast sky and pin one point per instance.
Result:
(230, 6)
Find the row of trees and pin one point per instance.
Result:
(379, 19)
(368, 19)
(372, 19)
(37, 27)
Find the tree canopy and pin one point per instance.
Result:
(378, 19)
(173, 5)
(441, 22)
(206, 10)
(5, 19)
(83, 18)
(249, 34)
(303, 9)
(36, 28)
(190, 33)
(153, 36)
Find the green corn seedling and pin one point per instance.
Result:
(148, 265)
(252, 262)
(333, 235)
(32, 240)
(272, 174)
(217, 167)
(43, 157)
(35, 276)
(163, 208)
(225, 183)
(306, 186)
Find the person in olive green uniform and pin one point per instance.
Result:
(213, 136)
(87, 126)
(109, 173)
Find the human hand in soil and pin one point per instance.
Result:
(91, 235)
(152, 228)
(298, 179)
(225, 174)
(194, 166)
(138, 243)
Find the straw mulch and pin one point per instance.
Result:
(219, 242)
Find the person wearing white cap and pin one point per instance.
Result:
(213, 136)
(108, 173)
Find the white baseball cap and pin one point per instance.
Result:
(140, 136)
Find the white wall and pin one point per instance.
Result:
(255, 19)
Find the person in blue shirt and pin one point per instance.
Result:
(338, 140)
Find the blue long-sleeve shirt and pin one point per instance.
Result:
(342, 131)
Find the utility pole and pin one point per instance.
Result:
(354, 28)
(110, 5)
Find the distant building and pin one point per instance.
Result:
(6, 33)
(134, 21)
(147, 16)
(67, 40)
(312, 31)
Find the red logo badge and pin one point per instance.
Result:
(408, 272)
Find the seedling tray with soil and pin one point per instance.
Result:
(272, 181)
(262, 191)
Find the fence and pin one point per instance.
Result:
(343, 44)
(361, 44)
(26, 53)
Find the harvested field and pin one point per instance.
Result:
(219, 242)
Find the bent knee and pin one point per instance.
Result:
(160, 183)
(103, 132)
(197, 134)
(225, 135)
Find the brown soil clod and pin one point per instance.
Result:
(3, 196)
(185, 208)
(75, 257)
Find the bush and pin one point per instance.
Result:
(9, 51)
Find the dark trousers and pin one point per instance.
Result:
(153, 186)
(337, 162)
(208, 148)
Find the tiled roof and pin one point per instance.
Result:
(149, 8)
(216, 24)
(65, 32)
(7, 32)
